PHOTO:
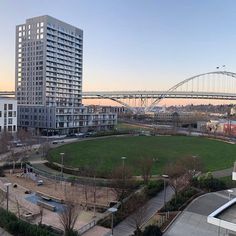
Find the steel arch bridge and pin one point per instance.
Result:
(218, 85)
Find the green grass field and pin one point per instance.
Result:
(106, 153)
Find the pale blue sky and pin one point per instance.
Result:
(133, 44)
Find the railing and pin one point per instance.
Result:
(46, 174)
(86, 227)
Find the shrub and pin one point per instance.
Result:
(153, 188)
(152, 230)
(207, 182)
(18, 227)
(2, 172)
(182, 197)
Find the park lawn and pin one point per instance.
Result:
(106, 153)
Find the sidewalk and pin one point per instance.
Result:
(4, 233)
(222, 173)
(125, 229)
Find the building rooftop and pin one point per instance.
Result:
(193, 220)
(229, 214)
(224, 216)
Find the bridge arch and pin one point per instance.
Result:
(178, 85)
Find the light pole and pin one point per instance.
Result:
(123, 161)
(123, 166)
(62, 162)
(112, 210)
(164, 178)
(194, 164)
(230, 191)
(7, 185)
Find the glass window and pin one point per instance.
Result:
(10, 121)
(41, 24)
(10, 106)
(5, 107)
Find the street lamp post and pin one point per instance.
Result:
(7, 185)
(230, 191)
(123, 161)
(194, 164)
(123, 166)
(165, 177)
(112, 210)
(62, 162)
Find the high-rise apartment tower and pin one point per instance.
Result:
(49, 58)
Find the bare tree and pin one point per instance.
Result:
(18, 208)
(176, 172)
(122, 182)
(23, 159)
(175, 121)
(26, 138)
(192, 165)
(145, 165)
(139, 209)
(68, 217)
(40, 214)
(93, 173)
(14, 157)
(5, 138)
(2, 198)
(44, 149)
(86, 172)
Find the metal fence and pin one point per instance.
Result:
(46, 174)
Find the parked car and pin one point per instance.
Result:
(57, 141)
(80, 135)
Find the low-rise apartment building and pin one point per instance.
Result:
(8, 114)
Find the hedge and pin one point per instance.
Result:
(178, 201)
(18, 227)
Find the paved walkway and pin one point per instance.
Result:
(125, 229)
(4, 233)
(222, 173)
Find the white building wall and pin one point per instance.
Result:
(8, 114)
